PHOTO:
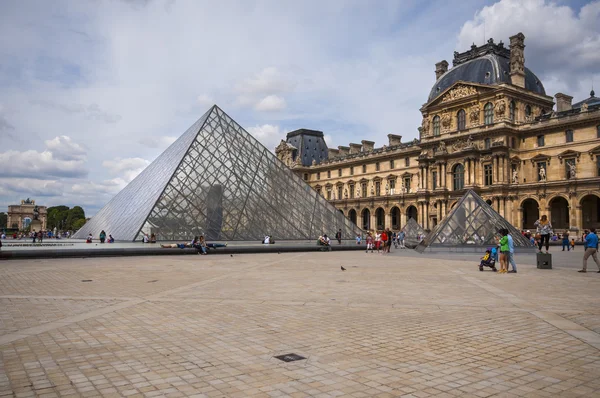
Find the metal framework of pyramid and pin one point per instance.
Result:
(413, 230)
(471, 223)
(219, 181)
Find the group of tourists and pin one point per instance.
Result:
(505, 247)
(102, 237)
(382, 241)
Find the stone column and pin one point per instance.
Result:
(579, 218)
(443, 176)
(402, 218)
(426, 178)
(439, 211)
(468, 171)
(509, 211)
(519, 218)
(373, 221)
(495, 170)
(387, 219)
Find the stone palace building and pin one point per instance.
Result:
(489, 126)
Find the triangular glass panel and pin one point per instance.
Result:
(218, 180)
(413, 233)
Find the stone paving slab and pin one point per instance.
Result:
(389, 326)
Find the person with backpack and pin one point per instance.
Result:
(338, 236)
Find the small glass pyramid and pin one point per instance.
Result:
(414, 233)
(471, 223)
(218, 180)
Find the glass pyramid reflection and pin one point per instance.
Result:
(472, 222)
(218, 180)
(414, 233)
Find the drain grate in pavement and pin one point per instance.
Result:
(289, 357)
(86, 280)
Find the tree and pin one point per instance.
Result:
(57, 217)
(74, 214)
(3, 220)
(77, 224)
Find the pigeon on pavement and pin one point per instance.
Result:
(342, 267)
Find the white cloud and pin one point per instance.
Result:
(31, 186)
(561, 47)
(268, 135)
(62, 158)
(64, 148)
(271, 103)
(268, 81)
(205, 100)
(161, 143)
(125, 169)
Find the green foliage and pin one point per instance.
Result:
(57, 217)
(77, 224)
(3, 220)
(75, 214)
(63, 218)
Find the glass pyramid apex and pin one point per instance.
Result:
(471, 223)
(218, 180)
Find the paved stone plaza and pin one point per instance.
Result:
(389, 326)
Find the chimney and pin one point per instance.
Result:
(367, 146)
(517, 60)
(441, 68)
(343, 150)
(332, 153)
(355, 148)
(394, 139)
(563, 102)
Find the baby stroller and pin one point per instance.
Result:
(488, 260)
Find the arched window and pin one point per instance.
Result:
(461, 120)
(458, 174)
(436, 125)
(511, 111)
(488, 114)
(569, 135)
(528, 111)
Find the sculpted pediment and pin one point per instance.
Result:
(458, 91)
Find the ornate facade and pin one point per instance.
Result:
(488, 125)
(27, 214)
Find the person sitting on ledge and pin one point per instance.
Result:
(153, 238)
(110, 239)
(323, 240)
(89, 238)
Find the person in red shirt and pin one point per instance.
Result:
(384, 239)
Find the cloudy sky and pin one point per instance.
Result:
(92, 91)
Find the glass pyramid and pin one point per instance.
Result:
(413, 232)
(471, 223)
(218, 180)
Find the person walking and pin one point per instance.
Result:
(544, 228)
(338, 236)
(504, 252)
(401, 236)
(511, 254)
(591, 241)
(565, 242)
(384, 241)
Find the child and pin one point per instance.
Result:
(369, 243)
(572, 243)
(488, 261)
(504, 250)
(358, 239)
